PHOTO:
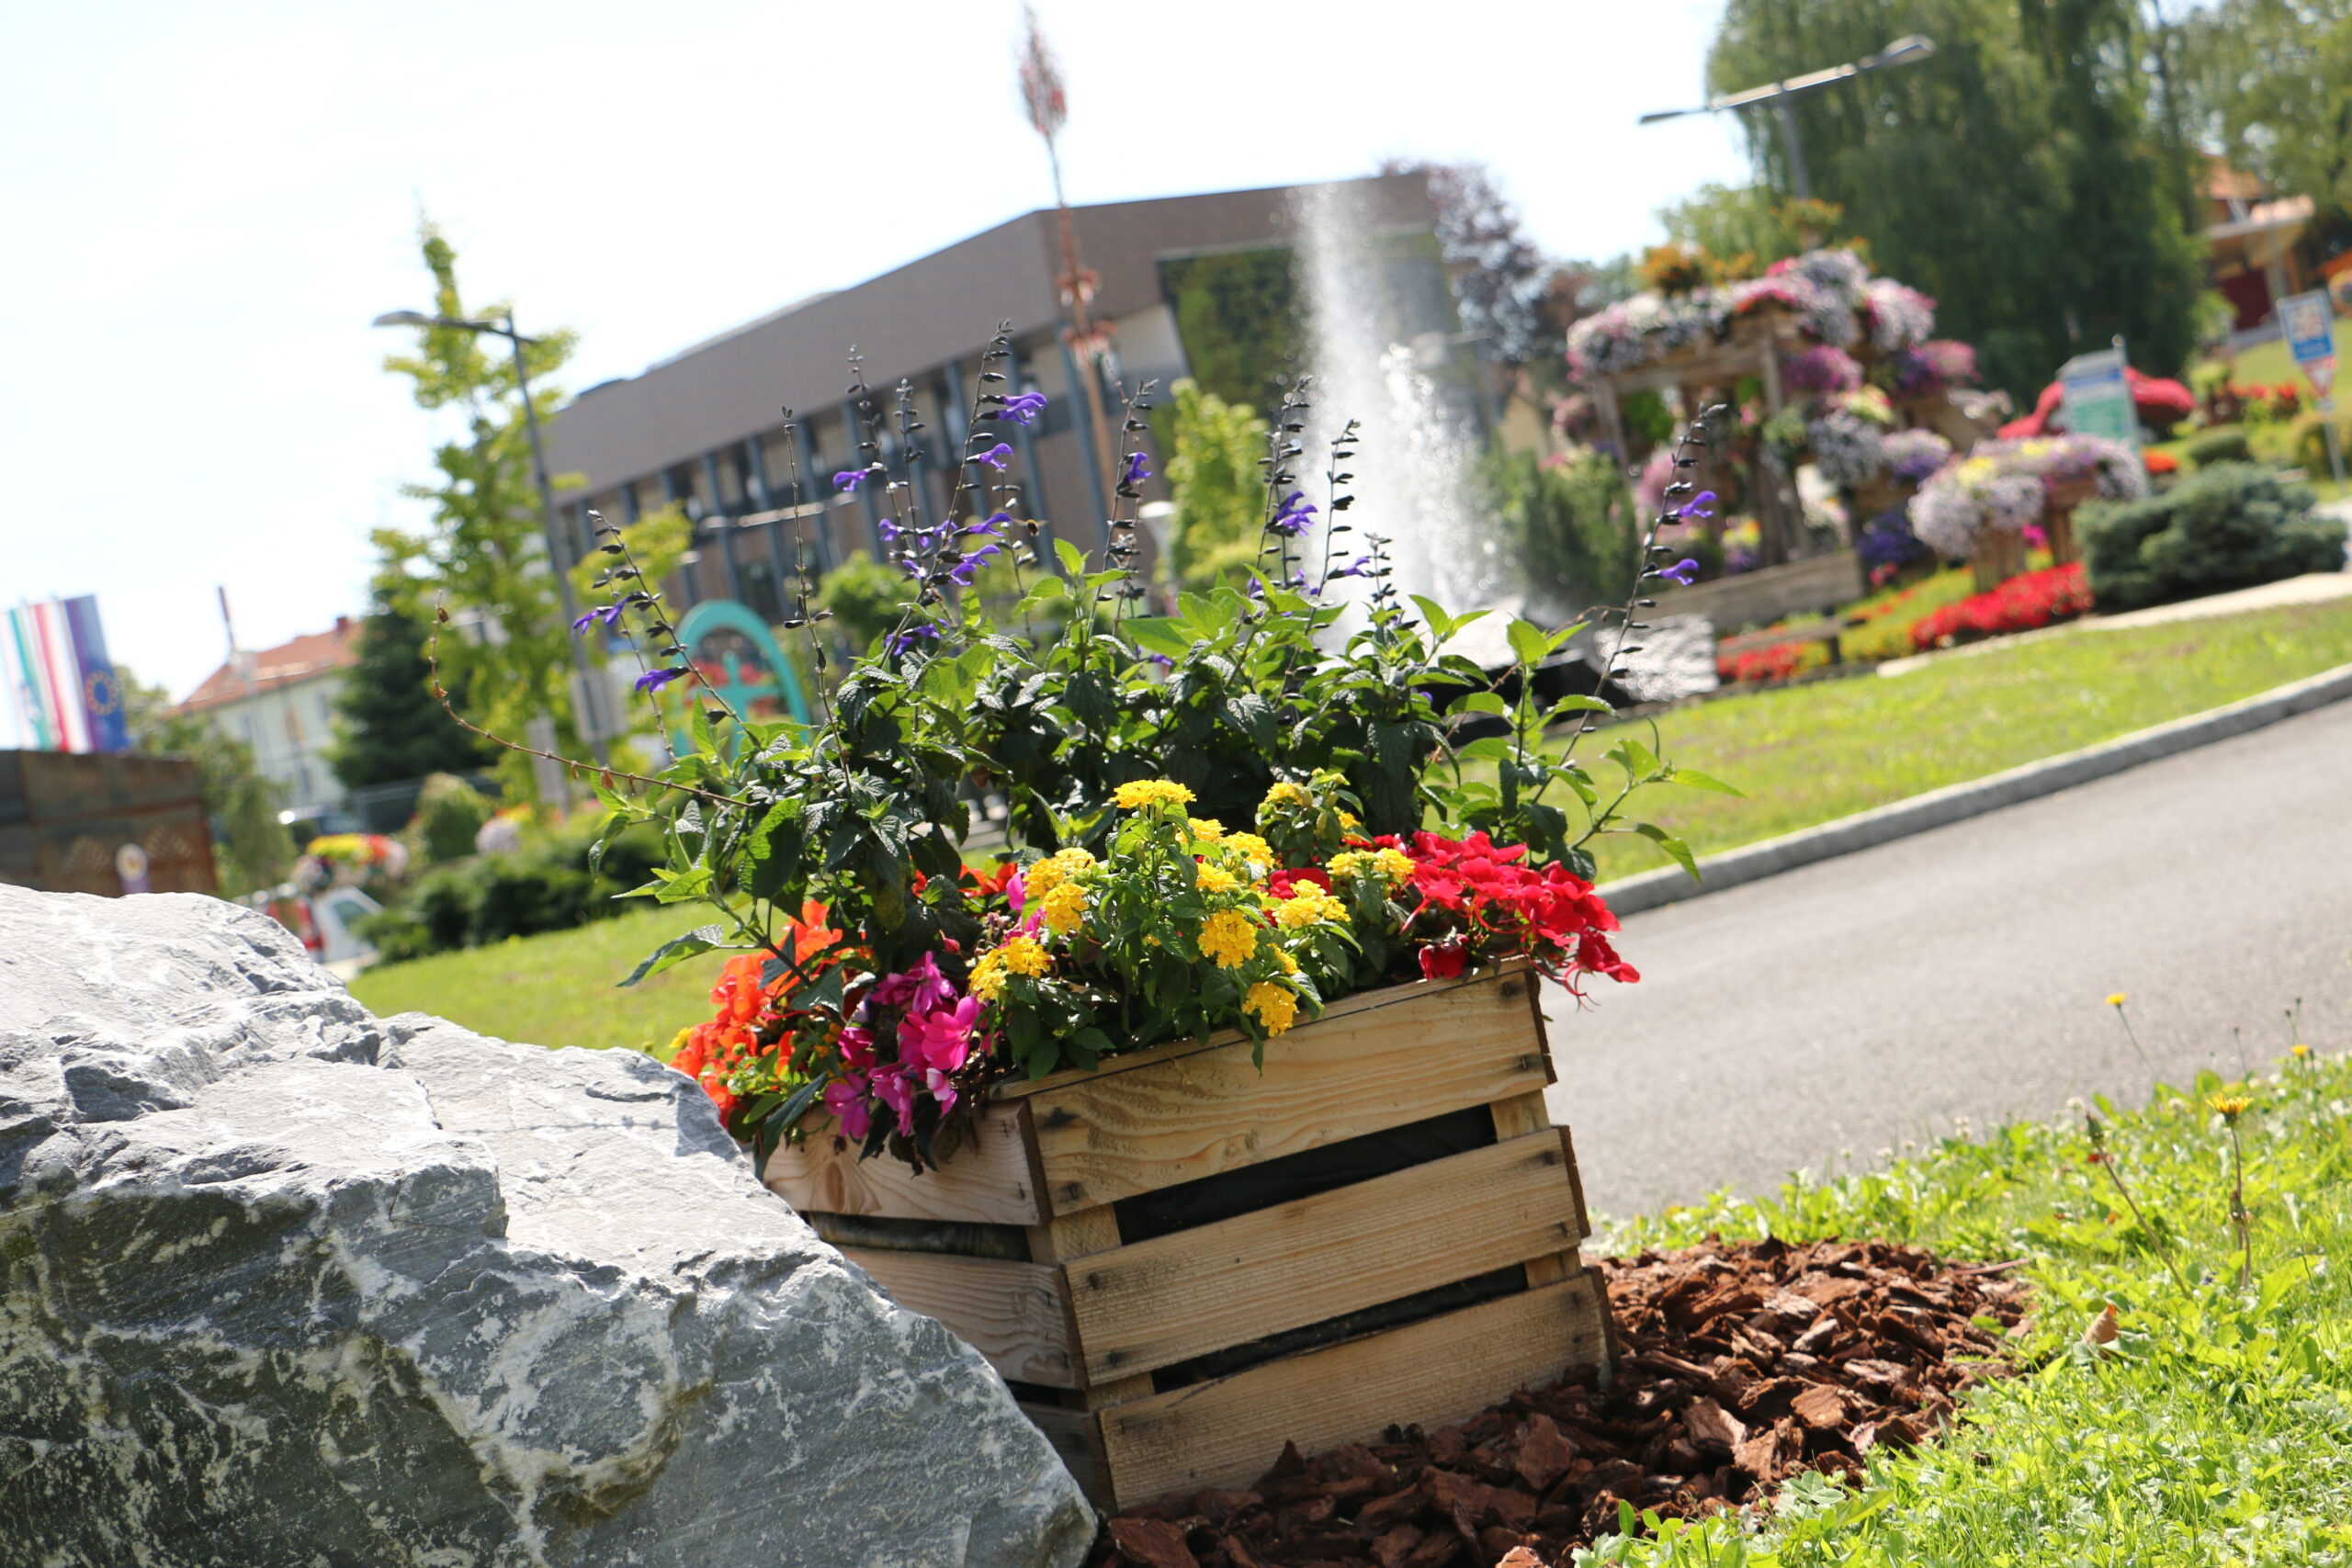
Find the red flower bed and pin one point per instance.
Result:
(1775, 663)
(2022, 604)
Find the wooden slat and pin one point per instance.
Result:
(1105, 1138)
(1226, 1432)
(988, 1179)
(1174, 1297)
(1346, 1007)
(1012, 1312)
(1074, 1439)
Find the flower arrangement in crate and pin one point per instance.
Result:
(2003, 487)
(1221, 818)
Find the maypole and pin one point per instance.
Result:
(1089, 342)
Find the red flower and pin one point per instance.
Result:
(1444, 961)
(1281, 884)
(2022, 604)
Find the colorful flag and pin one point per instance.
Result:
(67, 695)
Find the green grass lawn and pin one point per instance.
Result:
(558, 989)
(2219, 1429)
(1808, 753)
(2270, 363)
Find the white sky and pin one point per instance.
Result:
(206, 205)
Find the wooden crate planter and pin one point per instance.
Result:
(1180, 1262)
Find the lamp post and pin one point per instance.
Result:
(1782, 95)
(516, 341)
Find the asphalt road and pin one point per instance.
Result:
(1823, 1016)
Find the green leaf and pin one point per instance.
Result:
(1672, 846)
(1441, 626)
(1073, 559)
(686, 886)
(1486, 702)
(1577, 703)
(1698, 780)
(1158, 634)
(677, 950)
(1528, 642)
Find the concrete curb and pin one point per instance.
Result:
(1955, 803)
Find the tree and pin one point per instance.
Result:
(482, 553)
(2020, 176)
(1747, 227)
(2272, 81)
(388, 729)
(1501, 275)
(1215, 484)
(251, 848)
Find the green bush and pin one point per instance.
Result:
(2227, 445)
(449, 812)
(545, 886)
(1214, 479)
(863, 596)
(1571, 525)
(2229, 526)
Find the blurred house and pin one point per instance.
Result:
(1194, 285)
(2260, 247)
(280, 701)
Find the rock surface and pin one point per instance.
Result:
(282, 1283)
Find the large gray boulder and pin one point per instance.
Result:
(281, 1283)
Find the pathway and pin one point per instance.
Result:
(1830, 1013)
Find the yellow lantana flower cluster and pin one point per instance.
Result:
(1139, 793)
(1393, 867)
(1253, 849)
(1286, 793)
(1309, 906)
(1207, 830)
(1276, 1007)
(1053, 870)
(1228, 938)
(1216, 879)
(1021, 955)
(1064, 909)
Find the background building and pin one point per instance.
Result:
(1192, 285)
(280, 701)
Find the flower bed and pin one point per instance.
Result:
(2025, 603)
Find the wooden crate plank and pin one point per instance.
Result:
(1177, 1296)
(1074, 1439)
(990, 1179)
(1447, 1369)
(1012, 1312)
(1101, 1139)
(1346, 1007)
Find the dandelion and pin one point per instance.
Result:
(1228, 939)
(2115, 1002)
(2115, 999)
(1064, 908)
(1272, 1005)
(2229, 1107)
(1137, 794)
(2301, 1053)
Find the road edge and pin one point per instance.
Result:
(1956, 802)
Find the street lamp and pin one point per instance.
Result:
(1908, 49)
(505, 329)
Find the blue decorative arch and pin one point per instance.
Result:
(737, 658)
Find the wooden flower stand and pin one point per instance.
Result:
(1179, 1263)
(1999, 557)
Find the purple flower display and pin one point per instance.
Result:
(921, 631)
(849, 479)
(1022, 408)
(610, 614)
(996, 457)
(654, 679)
(1683, 573)
(1138, 468)
(1820, 369)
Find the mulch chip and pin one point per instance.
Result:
(1738, 1366)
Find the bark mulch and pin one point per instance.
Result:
(1738, 1366)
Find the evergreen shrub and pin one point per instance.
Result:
(2232, 525)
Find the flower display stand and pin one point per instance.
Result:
(1181, 1262)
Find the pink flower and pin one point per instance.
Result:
(919, 989)
(857, 1047)
(1016, 892)
(846, 1097)
(898, 1091)
(939, 1041)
